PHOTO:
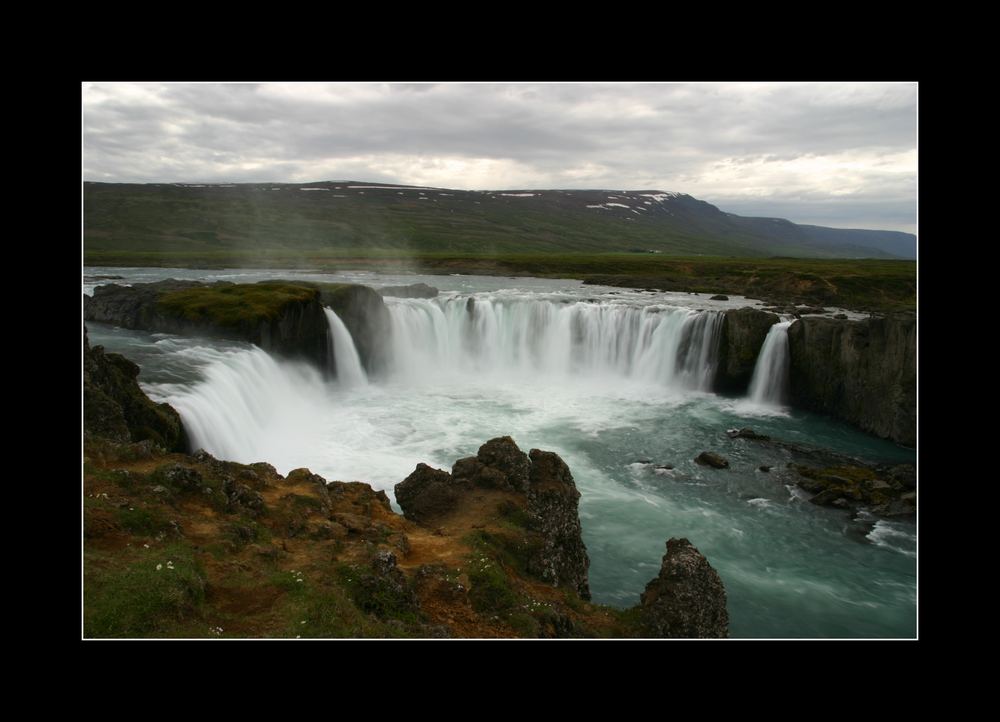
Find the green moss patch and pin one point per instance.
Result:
(234, 306)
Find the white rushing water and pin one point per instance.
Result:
(350, 372)
(769, 384)
(522, 338)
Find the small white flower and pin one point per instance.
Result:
(159, 567)
(145, 546)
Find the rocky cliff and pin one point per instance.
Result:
(742, 335)
(186, 545)
(535, 492)
(114, 407)
(863, 372)
(282, 317)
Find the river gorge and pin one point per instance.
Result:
(629, 387)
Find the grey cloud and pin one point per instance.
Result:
(665, 134)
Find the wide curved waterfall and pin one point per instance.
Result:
(520, 338)
(618, 383)
(769, 385)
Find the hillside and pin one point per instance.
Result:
(349, 216)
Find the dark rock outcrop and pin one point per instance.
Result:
(427, 494)
(687, 599)
(885, 490)
(863, 372)
(543, 493)
(553, 501)
(719, 297)
(707, 458)
(292, 325)
(414, 290)
(743, 333)
(363, 312)
(115, 407)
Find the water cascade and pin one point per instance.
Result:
(769, 384)
(520, 338)
(350, 372)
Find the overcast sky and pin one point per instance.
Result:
(835, 154)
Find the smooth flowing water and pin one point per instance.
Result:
(769, 384)
(616, 383)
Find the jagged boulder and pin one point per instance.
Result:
(427, 494)
(707, 458)
(553, 501)
(741, 338)
(541, 493)
(499, 464)
(115, 407)
(687, 599)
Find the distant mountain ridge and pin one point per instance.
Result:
(353, 215)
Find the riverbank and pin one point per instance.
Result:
(862, 285)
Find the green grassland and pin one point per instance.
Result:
(678, 244)
(866, 285)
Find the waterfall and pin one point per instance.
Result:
(251, 407)
(769, 384)
(519, 338)
(350, 372)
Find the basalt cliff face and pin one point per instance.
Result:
(863, 372)
(742, 335)
(282, 317)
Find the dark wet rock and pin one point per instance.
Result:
(853, 486)
(764, 468)
(903, 474)
(719, 297)
(840, 316)
(687, 599)
(665, 467)
(414, 290)
(427, 494)
(115, 407)
(553, 501)
(863, 372)
(810, 310)
(741, 338)
(499, 464)
(707, 458)
(746, 433)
